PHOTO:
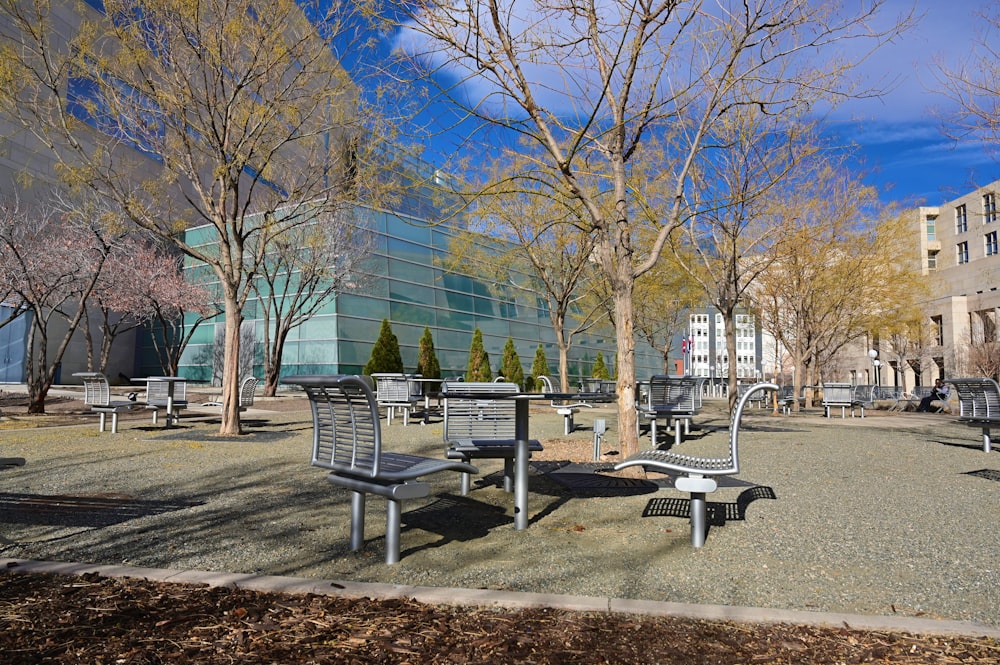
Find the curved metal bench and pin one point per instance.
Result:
(347, 440)
(978, 405)
(699, 472)
(565, 409)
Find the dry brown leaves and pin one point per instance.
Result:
(90, 619)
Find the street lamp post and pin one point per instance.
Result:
(876, 366)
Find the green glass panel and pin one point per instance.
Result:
(357, 305)
(353, 328)
(412, 272)
(417, 231)
(319, 327)
(485, 307)
(314, 352)
(413, 293)
(412, 313)
(456, 319)
(495, 327)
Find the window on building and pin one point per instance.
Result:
(991, 243)
(989, 208)
(932, 259)
(931, 225)
(937, 330)
(983, 326)
(962, 252)
(961, 219)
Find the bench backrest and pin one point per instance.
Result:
(393, 388)
(838, 393)
(732, 462)
(977, 397)
(96, 391)
(676, 393)
(479, 419)
(603, 386)
(248, 389)
(866, 393)
(346, 433)
(788, 392)
(156, 392)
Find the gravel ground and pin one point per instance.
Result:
(890, 514)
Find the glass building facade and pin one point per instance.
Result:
(406, 284)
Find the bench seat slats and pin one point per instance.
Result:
(670, 399)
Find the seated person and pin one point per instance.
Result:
(939, 393)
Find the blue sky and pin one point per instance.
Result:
(902, 146)
(900, 136)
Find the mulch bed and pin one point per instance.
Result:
(90, 619)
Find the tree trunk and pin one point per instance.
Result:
(628, 433)
(272, 368)
(732, 379)
(231, 366)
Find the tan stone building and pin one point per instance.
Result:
(960, 256)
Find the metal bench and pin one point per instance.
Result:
(157, 393)
(671, 399)
(482, 427)
(565, 409)
(97, 395)
(248, 391)
(867, 395)
(758, 400)
(787, 399)
(699, 472)
(978, 405)
(840, 395)
(395, 391)
(347, 440)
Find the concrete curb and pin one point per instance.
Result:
(511, 599)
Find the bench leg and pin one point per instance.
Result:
(104, 419)
(697, 487)
(357, 520)
(114, 422)
(466, 482)
(986, 440)
(393, 520)
(508, 474)
(568, 424)
(677, 433)
(699, 519)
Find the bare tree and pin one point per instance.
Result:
(836, 276)
(49, 267)
(734, 229)
(525, 239)
(972, 85)
(302, 271)
(201, 121)
(147, 282)
(592, 85)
